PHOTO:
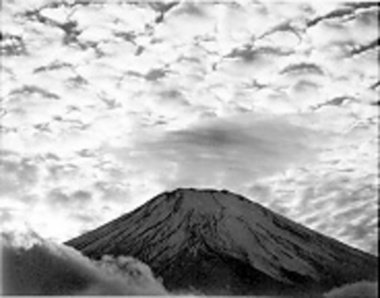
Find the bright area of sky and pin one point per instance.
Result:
(106, 105)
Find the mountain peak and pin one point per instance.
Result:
(218, 242)
(211, 201)
(203, 200)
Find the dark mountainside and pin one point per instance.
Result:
(219, 243)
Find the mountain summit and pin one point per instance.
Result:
(220, 243)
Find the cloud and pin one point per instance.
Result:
(187, 21)
(226, 152)
(5, 215)
(58, 198)
(306, 194)
(93, 75)
(33, 266)
(17, 173)
(364, 289)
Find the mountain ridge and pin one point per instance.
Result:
(217, 242)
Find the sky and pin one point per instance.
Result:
(106, 104)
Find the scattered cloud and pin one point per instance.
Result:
(107, 104)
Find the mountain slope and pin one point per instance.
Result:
(216, 242)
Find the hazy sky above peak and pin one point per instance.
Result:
(106, 104)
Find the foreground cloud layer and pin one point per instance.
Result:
(361, 289)
(107, 104)
(46, 268)
(34, 266)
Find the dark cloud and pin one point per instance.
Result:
(82, 195)
(5, 215)
(45, 268)
(226, 152)
(260, 190)
(30, 90)
(59, 197)
(302, 68)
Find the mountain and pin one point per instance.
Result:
(220, 243)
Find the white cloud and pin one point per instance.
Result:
(59, 15)
(186, 22)
(123, 81)
(35, 266)
(364, 289)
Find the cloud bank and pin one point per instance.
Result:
(362, 289)
(34, 266)
(38, 267)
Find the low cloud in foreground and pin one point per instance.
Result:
(46, 268)
(364, 289)
(34, 266)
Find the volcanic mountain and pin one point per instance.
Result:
(220, 243)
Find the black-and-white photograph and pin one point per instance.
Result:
(189, 148)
